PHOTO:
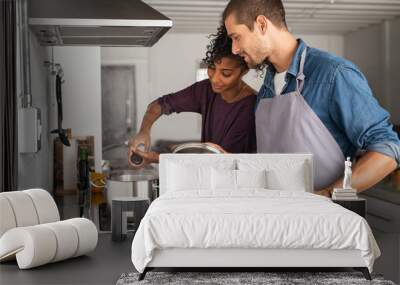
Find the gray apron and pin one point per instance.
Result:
(286, 124)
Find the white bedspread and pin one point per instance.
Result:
(252, 218)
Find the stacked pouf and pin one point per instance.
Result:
(31, 230)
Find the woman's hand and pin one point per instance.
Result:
(148, 156)
(139, 142)
(142, 138)
(216, 146)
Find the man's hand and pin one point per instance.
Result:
(324, 192)
(371, 168)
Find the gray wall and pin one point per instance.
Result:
(375, 51)
(394, 74)
(81, 93)
(81, 106)
(33, 169)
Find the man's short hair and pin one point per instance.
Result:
(246, 12)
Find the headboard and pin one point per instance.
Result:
(278, 162)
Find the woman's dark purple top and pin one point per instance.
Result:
(230, 125)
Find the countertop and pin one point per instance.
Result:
(384, 190)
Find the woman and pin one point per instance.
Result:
(225, 102)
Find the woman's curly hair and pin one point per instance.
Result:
(221, 46)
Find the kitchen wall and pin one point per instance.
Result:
(33, 169)
(393, 74)
(375, 51)
(171, 65)
(81, 106)
(81, 93)
(330, 43)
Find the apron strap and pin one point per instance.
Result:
(300, 76)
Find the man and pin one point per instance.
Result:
(311, 101)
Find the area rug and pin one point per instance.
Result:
(243, 278)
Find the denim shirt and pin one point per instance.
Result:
(339, 95)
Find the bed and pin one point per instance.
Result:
(246, 211)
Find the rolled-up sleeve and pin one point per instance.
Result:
(359, 115)
(186, 100)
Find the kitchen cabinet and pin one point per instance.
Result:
(383, 215)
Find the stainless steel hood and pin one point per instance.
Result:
(96, 22)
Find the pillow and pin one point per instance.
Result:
(282, 173)
(223, 179)
(251, 178)
(236, 179)
(292, 178)
(193, 175)
(182, 177)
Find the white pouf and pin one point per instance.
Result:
(33, 246)
(23, 208)
(41, 244)
(46, 208)
(67, 240)
(31, 232)
(7, 219)
(87, 233)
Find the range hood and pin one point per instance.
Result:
(96, 22)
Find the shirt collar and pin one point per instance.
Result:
(295, 65)
(293, 68)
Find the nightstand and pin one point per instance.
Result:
(357, 205)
